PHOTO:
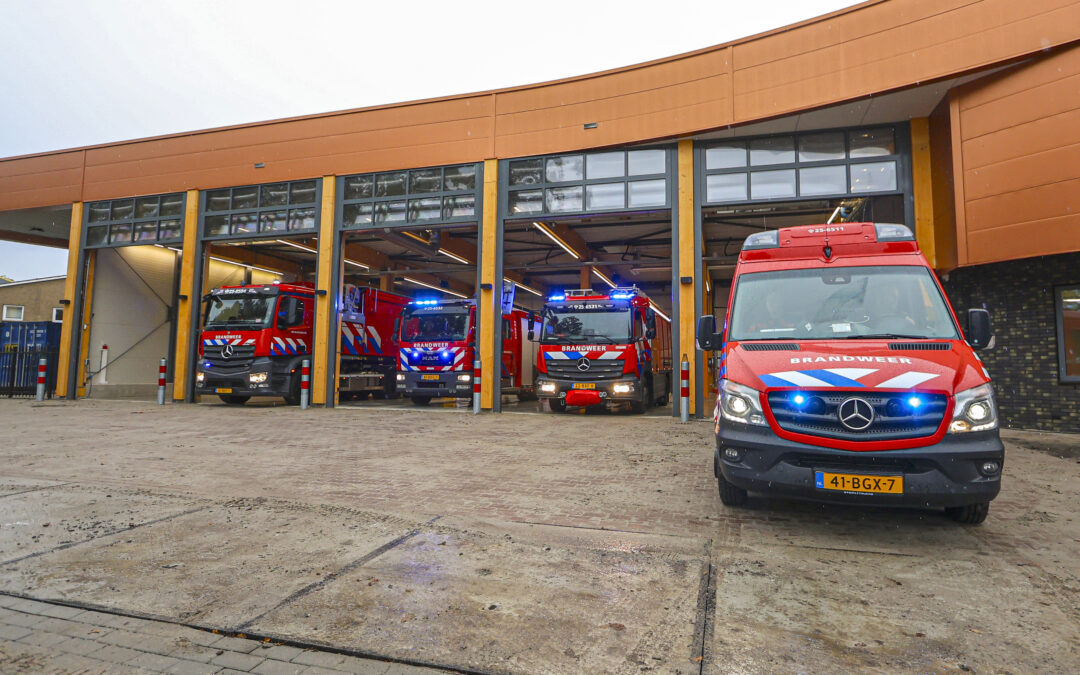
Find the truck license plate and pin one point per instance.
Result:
(846, 482)
(224, 390)
(584, 385)
(429, 377)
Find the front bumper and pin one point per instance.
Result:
(435, 385)
(604, 389)
(942, 475)
(236, 377)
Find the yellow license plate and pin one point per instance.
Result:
(848, 482)
(429, 377)
(584, 385)
(224, 390)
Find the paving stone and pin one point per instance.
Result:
(42, 638)
(317, 670)
(80, 646)
(79, 629)
(72, 663)
(115, 654)
(405, 669)
(155, 662)
(62, 611)
(20, 619)
(236, 644)
(237, 660)
(141, 641)
(275, 667)
(194, 652)
(192, 668)
(278, 652)
(9, 632)
(359, 666)
(319, 659)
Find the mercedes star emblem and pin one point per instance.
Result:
(583, 364)
(227, 352)
(856, 413)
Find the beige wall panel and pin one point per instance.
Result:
(1023, 172)
(1034, 137)
(1040, 102)
(1030, 205)
(1054, 235)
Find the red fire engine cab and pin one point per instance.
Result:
(602, 349)
(438, 347)
(255, 337)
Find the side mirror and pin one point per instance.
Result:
(532, 335)
(707, 337)
(979, 333)
(650, 333)
(291, 312)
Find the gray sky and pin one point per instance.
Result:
(77, 73)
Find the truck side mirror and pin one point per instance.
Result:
(979, 333)
(290, 312)
(650, 324)
(532, 334)
(707, 337)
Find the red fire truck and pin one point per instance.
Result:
(255, 337)
(438, 339)
(603, 349)
(845, 376)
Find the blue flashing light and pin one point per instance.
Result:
(914, 401)
(207, 364)
(556, 298)
(427, 303)
(798, 399)
(445, 354)
(622, 296)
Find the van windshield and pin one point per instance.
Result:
(237, 312)
(840, 302)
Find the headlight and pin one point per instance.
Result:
(199, 377)
(739, 403)
(401, 377)
(547, 387)
(623, 388)
(975, 410)
(464, 377)
(257, 378)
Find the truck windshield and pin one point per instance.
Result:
(426, 325)
(235, 312)
(842, 302)
(568, 325)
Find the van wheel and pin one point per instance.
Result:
(421, 400)
(972, 514)
(556, 405)
(231, 399)
(729, 494)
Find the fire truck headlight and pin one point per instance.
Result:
(464, 377)
(623, 388)
(547, 387)
(401, 377)
(257, 378)
(199, 377)
(974, 410)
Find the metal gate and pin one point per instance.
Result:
(18, 372)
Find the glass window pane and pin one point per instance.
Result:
(645, 162)
(390, 212)
(460, 178)
(648, 192)
(273, 221)
(873, 177)
(526, 201)
(772, 184)
(302, 192)
(99, 212)
(426, 180)
(725, 187)
(822, 180)
(216, 225)
(244, 223)
(170, 229)
(119, 234)
(245, 197)
(1069, 299)
(146, 207)
(526, 171)
(122, 209)
(96, 235)
(275, 194)
(819, 147)
(355, 215)
(563, 199)
(605, 165)
(425, 209)
(301, 219)
(462, 206)
(776, 150)
(146, 231)
(871, 143)
(605, 196)
(172, 205)
(390, 184)
(360, 187)
(218, 200)
(569, 167)
(725, 156)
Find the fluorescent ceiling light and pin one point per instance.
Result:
(523, 286)
(434, 287)
(455, 256)
(416, 237)
(657, 310)
(603, 277)
(295, 245)
(357, 264)
(555, 238)
(250, 267)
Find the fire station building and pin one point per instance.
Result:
(959, 118)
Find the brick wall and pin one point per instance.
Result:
(1024, 363)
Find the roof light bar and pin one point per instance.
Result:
(557, 298)
(434, 287)
(555, 238)
(603, 277)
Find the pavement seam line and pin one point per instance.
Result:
(334, 576)
(70, 544)
(36, 489)
(598, 529)
(705, 607)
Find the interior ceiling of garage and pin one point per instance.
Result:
(46, 226)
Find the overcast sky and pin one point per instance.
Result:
(77, 73)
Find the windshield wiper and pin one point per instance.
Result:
(601, 337)
(886, 336)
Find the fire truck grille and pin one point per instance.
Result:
(598, 370)
(239, 352)
(893, 418)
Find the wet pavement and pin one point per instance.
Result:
(516, 544)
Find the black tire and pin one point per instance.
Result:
(293, 397)
(716, 464)
(421, 400)
(233, 399)
(389, 386)
(972, 514)
(662, 401)
(556, 405)
(729, 494)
